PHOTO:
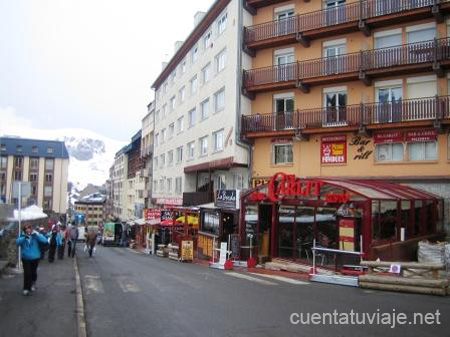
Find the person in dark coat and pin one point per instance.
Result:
(54, 243)
(29, 241)
(62, 247)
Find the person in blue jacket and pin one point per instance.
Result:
(29, 240)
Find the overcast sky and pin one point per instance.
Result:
(87, 63)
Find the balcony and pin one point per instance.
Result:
(431, 55)
(197, 198)
(359, 15)
(431, 111)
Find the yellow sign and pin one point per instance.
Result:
(187, 250)
(337, 149)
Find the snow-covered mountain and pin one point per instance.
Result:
(91, 155)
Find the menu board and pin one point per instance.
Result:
(334, 149)
(187, 250)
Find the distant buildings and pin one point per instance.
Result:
(44, 164)
(93, 209)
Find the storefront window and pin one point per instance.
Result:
(421, 151)
(417, 216)
(384, 220)
(429, 216)
(210, 223)
(389, 152)
(282, 154)
(406, 208)
(286, 231)
(251, 223)
(304, 233)
(327, 227)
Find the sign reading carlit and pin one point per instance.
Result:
(282, 185)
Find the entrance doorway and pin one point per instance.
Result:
(264, 230)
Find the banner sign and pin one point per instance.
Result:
(347, 234)
(153, 215)
(421, 135)
(228, 199)
(388, 137)
(334, 149)
(169, 201)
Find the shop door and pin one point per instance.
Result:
(284, 110)
(228, 226)
(265, 227)
(285, 232)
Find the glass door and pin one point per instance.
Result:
(284, 70)
(283, 114)
(285, 24)
(335, 12)
(335, 108)
(389, 107)
(333, 62)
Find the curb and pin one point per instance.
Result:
(81, 319)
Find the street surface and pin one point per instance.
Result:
(127, 293)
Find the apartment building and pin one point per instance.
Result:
(119, 172)
(351, 89)
(93, 209)
(43, 163)
(148, 128)
(197, 149)
(134, 200)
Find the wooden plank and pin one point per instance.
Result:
(408, 265)
(402, 288)
(404, 281)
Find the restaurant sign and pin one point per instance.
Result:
(388, 137)
(334, 149)
(427, 135)
(228, 199)
(152, 216)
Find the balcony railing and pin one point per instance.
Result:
(352, 12)
(197, 198)
(423, 109)
(432, 51)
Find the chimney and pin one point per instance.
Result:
(177, 46)
(198, 17)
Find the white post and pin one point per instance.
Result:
(19, 255)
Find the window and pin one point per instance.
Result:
(182, 94)
(183, 67)
(180, 124)
(179, 154)
(207, 40)
(172, 103)
(2, 147)
(33, 177)
(221, 60)
(171, 130)
(19, 148)
(388, 39)
(194, 53)
(389, 98)
(282, 154)
(163, 136)
(210, 223)
(421, 33)
(220, 182)
(421, 87)
(178, 182)
(219, 100)
(222, 23)
(422, 151)
(191, 150)
(34, 149)
(193, 85)
(204, 109)
(17, 175)
(170, 158)
(218, 139)
(335, 102)
(47, 204)
(49, 163)
(157, 116)
(203, 144)
(389, 152)
(48, 191)
(3, 162)
(164, 111)
(169, 185)
(34, 164)
(191, 115)
(206, 73)
(157, 139)
(48, 177)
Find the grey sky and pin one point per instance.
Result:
(87, 63)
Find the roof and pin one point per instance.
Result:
(33, 148)
(95, 198)
(214, 11)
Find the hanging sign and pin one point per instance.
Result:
(334, 149)
(421, 135)
(228, 199)
(388, 137)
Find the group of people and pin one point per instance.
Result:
(34, 243)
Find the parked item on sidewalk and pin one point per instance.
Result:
(29, 242)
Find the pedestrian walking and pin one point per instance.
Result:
(54, 242)
(73, 237)
(43, 247)
(91, 240)
(29, 241)
(62, 247)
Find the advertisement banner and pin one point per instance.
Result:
(153, 216)
(108, 232)
(334, 150)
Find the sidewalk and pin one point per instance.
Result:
(50, 311)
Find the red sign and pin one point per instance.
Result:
(152, 215)
(334, 150)
(388, 137)
(282, 185)
(421, 135)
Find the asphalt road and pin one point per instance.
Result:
(132, 294)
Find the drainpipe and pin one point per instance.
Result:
(240, 141)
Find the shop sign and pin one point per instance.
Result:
(152, 216)
(228, 199)
(166, 215)
(388, 137)
(187, 250)
(169, 201)
(347, 234)
(334, 149)
(289, 185)
(421, 135)
(260, 181)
